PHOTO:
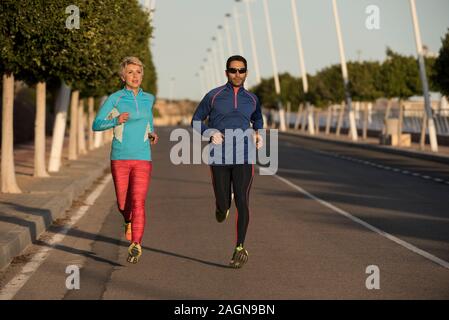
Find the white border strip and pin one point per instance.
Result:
(13, 286)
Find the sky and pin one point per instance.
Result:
(183, 31)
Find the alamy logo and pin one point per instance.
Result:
(238, 147)
(373, 280)
(72, 282)
(73, 20)
(372, 22)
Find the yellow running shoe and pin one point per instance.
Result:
(128, 234)
(134, 252)
(239, 258)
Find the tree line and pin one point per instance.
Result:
(396, 77)
(41, 42)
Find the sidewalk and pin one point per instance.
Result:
(372, 143)
(23, 217)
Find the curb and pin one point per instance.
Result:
(33, 215)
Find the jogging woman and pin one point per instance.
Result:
(129, 113)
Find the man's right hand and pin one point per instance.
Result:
(217, 138)
(123, 117)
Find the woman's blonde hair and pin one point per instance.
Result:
(130, 60)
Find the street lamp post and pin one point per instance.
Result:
(212, 68)
(220, 44)
(208, 75)
(344, 70)
(277, 85)
(228, 33)
(238, 31)
(305, 83)
(152, 8)
(425, 85)
(200, 74)
(217, 63)
(253, 41)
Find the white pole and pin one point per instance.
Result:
(425, 86)
(277, 84)
(149, 6)
(201, 87)
(239, 35)
(305, 83)
(217, 65)
(344, 71)
(238, 31)
(220, 44)
(228, 34)
(212, 67)
(202, 81)
(152, 7)
(253, 43)
(208, 74)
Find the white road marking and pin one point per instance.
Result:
(12, 287)
(403, 243)
(335, 155)
(290, 170)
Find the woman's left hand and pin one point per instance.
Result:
(153, 137)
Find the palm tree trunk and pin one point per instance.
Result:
(81, 133)
(8, 172)
(90, 104)
(73, 155)
(39, 132)
(62, 105)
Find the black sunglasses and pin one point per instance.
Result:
(234, 70)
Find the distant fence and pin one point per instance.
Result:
(373, 116)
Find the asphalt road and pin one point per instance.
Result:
(316, 227)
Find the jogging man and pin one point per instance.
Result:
(231, 107)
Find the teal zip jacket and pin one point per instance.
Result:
(130, 138)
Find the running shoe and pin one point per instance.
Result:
(221, 216)
(134, 252)
(239, 258)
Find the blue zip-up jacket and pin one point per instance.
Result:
(227, 110)
(130, 138)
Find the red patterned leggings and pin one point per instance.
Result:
(132, 180)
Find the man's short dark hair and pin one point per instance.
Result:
(236, 58)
